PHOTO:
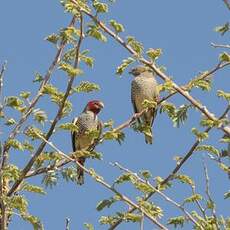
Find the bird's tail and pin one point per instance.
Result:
(148, 137)
(80, 171)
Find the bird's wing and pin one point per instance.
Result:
(133, 100)
(73, 136)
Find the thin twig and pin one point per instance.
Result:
(29, 110)
(55, 121)
(100, 180)
(153, 66)
(3, 69)
(220, 46)
(176, 169)
(207, 191)
(187, 214)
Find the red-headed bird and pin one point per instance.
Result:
(144, 87)
(81, 140)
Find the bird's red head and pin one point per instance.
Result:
(95, 106)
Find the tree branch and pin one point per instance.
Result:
(55, 121)
(187, 214)
(101, 181)
(220, 45)
(29, 110)
(177, 168)
(153, 66)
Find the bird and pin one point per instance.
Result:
(144, 87)
(81, 140)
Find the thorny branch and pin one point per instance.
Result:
(153, 66)
(56, 119)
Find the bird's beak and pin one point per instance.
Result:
(131, 72)
(101, 104)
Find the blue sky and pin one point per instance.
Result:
(184, 31)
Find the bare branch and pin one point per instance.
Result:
(220, 46)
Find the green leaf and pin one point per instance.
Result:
(149, 104)
(105, 203)
(207, 122)
(227, 195)
(150, 208)
(114, 135)
(224, 57)
(19, 202)
(88, 226)
(32, 188)
(50, 179)
(124, 65)
(69, 126)
(13, 102)
(70, 34)
(154, 54)
(28, 146)
(180, 115)
(199, 135)
(11, 172)
(36, 223)
(116, 26)
(222, 29)
(193, 198)
(33, 132)
(135, 45)
(179, 220)
(143, 187)
(209, 149)
(201, 81)
(167, 86)
(15, 144)
(69, 174)
(94, 31)
(40, 116)
(126, 177)
(89, 61)
(38, 78)
(224, 95)
(10, 121)
(146, 174)
(70, 70)
(224, 167)
(25, 94)
(100, 7)
(184, 179)
(53, 38)
(86, 87)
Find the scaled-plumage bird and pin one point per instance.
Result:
(144, 87)
(87, 121)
